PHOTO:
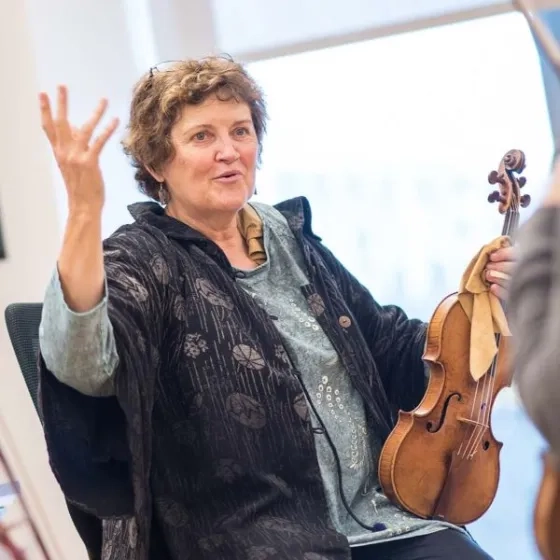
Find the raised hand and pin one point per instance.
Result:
(76, 154)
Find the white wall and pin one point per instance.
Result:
(31, 234)
(88, 45)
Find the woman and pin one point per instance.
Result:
(211, 374)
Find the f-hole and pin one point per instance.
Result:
(430, 425)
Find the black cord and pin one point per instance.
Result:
(375, 527)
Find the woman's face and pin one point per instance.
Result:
(213, 169)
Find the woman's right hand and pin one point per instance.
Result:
(80, 262)
(76, 154)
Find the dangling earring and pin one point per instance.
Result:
(163, 195)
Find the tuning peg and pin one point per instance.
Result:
(493, 177)
(525, 200)
(495, 196)
(522, 182)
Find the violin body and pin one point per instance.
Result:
(546, 517)
(438, 462)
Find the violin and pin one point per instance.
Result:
(441, 460)
(546, 516)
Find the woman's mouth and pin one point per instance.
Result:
(228, 177)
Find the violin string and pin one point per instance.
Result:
(485, 407)
(483, 412)
(461, 452)
(475, 430)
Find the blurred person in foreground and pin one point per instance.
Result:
(214, 383)
(534, 310)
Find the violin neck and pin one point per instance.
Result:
(511, 222)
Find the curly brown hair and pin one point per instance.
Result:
(160, 96)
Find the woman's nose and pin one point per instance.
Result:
(227, 151)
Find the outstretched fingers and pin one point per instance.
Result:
(65, 138)
(47, 123)
(86, 131)
(61, 124)
(102, 139)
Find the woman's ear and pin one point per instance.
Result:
(157, 176)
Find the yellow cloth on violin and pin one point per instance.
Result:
(483, 309)
(250, 225)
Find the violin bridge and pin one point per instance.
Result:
(471, 422)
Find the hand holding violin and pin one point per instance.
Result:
(499, 270)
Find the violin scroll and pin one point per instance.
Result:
(508, 195)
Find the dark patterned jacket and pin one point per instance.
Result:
(209, 454)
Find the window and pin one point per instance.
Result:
(392, 141)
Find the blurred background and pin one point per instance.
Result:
(391, 113)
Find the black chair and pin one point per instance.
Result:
(22, 321)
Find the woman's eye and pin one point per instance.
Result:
(242, 131)
(200, 136)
